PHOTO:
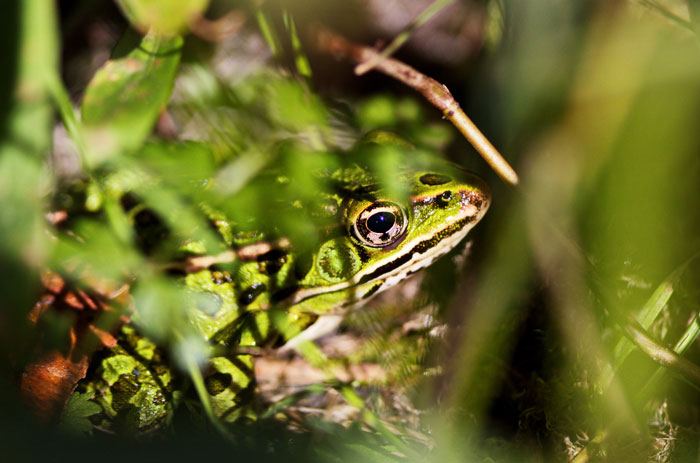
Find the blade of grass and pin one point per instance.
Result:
(193, 370)
(300, 60)
(661, 354)
(646, 316)
(689, 336)
(313, 354)
(68, 115)
(372, 420)
(268, 34)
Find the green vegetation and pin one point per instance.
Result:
(140, 143)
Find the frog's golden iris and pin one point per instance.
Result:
(381, 224)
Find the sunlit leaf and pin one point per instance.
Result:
(79, 408)
(125, 97)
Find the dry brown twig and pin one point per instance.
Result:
(435, 92)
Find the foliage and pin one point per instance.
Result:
(570, 333)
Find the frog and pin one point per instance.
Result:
(265, 292)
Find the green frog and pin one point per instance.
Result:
(262, 293)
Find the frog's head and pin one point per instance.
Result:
(386, 239)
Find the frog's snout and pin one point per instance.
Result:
(477, 196)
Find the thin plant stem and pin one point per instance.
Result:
(435, 92)
(198, 381)
(68, 116)
(403, 36)
(659, 353)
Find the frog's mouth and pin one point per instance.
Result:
(419, 253)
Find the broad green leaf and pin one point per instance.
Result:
(74, 418)
(125, 97)
(161, 309)
(164, 17)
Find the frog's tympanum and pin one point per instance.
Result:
(376, 241)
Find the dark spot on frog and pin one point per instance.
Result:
(128, 201)
(302, 265)
(150, 230)
(243, 368)
(251, 293)
(136, 372)
(209, 303)
(219, 277)
(373, 290)
(272, 261)
(122, 390)
(434, 179)
(159, 369)
(362, 252)
(216, 383)
(283, 293)
(443, 200)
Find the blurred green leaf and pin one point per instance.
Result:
(183, 216)
(97, 251)
(25, 142)
(300, 60)
(21, 220)
(163, 17)
(126, 96)
(294, 107)
(376, 112)
(31, 117)
(187, 166)
(161, 308)
(237, 173)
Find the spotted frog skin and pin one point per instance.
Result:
(270, 288)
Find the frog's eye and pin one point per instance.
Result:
(380, 224)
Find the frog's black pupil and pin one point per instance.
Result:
(381, 222)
